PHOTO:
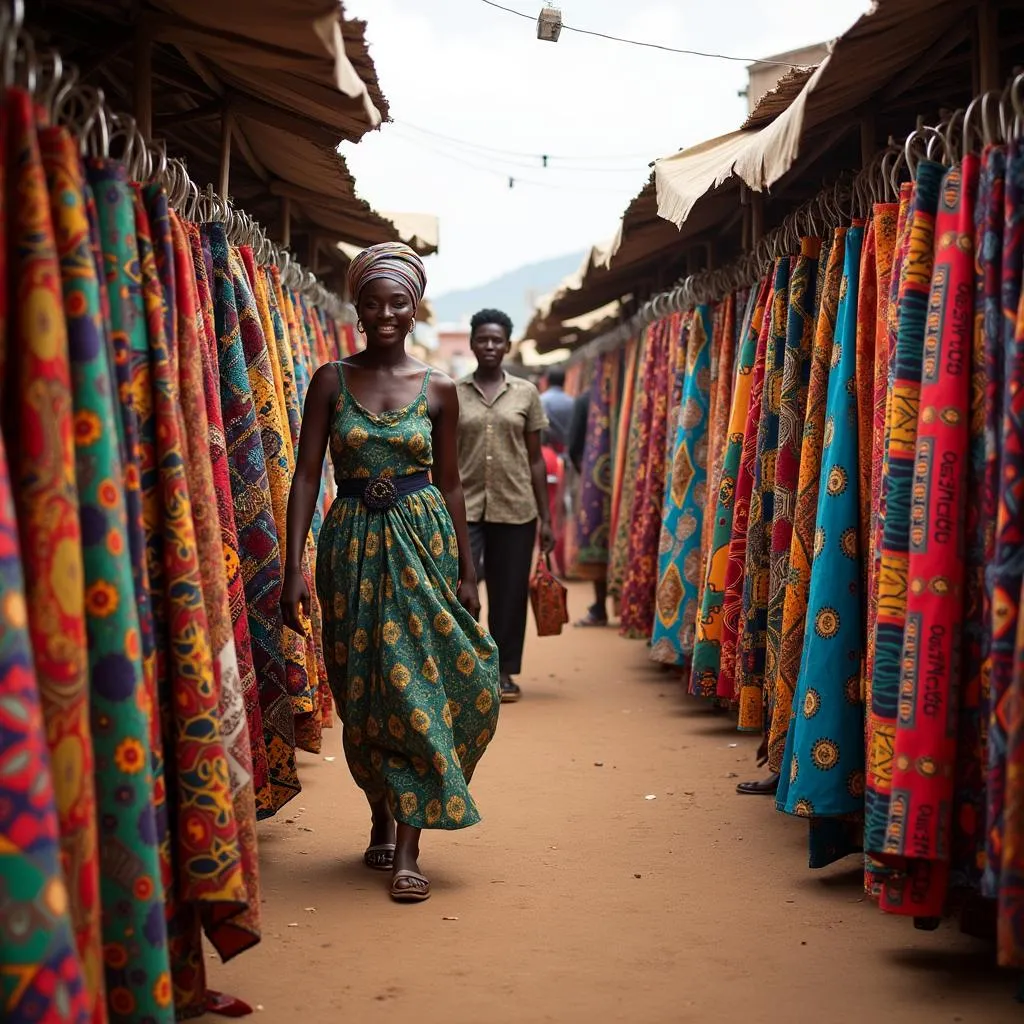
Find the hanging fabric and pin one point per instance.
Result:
(649, 439)
(969, 816)
(881, 711)
(733, 620)
(1006, 745)
(138, 972)
(901, 432)
(40, 429)
(707, 675)
(757, 573)
(257, 532)
(924, 749)
(624, 481)
(723, 374)
(207, 346)
(594, 514)
(794, 385)
(823, 764)
(682, 524)
(805, 511)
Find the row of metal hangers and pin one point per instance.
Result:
(992, 119)
(101, 133)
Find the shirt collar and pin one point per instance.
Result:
(506, 383)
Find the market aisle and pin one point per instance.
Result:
(579, 899)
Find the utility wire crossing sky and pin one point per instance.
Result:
(478, 100)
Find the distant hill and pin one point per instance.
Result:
(514, 292)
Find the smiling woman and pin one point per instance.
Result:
(414, 676)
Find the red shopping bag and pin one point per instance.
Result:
(550, 600)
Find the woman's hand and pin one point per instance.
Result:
(547, 538)
(469, 597)
(294, 600)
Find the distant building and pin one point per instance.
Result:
(764, 77)
(452, 353)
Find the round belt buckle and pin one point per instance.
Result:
(380, 494)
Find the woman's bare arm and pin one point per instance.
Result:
(321, 398)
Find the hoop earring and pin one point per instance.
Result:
(412, 326)
(359, 327)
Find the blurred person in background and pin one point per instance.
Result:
(597, 613)
(558, 407)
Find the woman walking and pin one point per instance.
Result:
(505, 481)
(414, 676)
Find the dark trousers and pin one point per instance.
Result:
(503, 556)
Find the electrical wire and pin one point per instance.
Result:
(524, 162)
(646, 157)
(652, 46)
(514, 179)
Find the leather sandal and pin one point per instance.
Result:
(762, 787)
(415, 893)
(380, 857)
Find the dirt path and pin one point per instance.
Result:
(581, 900)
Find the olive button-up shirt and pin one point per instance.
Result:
(493, 460)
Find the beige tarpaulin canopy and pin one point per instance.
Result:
(413, 228)
(681, 180)
(885, 51)
(277, 84)
(291, 55)
(684, 179)
(420, 230)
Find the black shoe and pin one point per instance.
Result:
(510, 692)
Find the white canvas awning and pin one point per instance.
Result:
(681, 180)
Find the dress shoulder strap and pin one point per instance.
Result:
(426, 381)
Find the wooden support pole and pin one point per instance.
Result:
(286, 221)
(756, 218)
(144, 83)
(986, 49)
(225, 152)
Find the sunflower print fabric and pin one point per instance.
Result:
(823, 766)
(414, 676)
(39, 962)
(128, 764)
(805, 511)
(39, 427)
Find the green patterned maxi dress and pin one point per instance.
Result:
(414, 676)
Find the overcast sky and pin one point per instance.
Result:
(463, 69)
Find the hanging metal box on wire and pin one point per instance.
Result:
(549, 24)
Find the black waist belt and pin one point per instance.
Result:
(379, 493)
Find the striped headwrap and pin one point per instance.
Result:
(394, 261)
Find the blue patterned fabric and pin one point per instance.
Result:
(823, 766)
(685, 496)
